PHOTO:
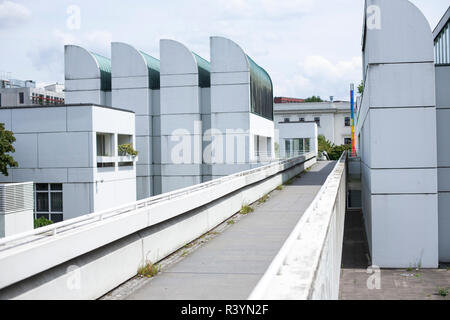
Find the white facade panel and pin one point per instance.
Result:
(29, 120)
(403, 138)
(402, 85)
(26, 146)
(404, 231)
(410, 181)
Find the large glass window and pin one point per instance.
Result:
(261, 90)
(442, 46)
(105, 144)
(21, 98)
(49, 201)
(287, 148)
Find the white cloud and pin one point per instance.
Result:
(97, 41)
(317, 75)
(13, 14)
(265, 9)
(320, 67)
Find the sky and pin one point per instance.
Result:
(309, 47)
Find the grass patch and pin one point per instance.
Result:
(279, 188)
(246, 209)
(264, 199)
(409, 269)
(185, 253)
(443, 292)
(189, 245)
(289, 182)
(230, 222)
(149, 270)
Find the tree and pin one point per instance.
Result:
(361, 87)
(334, 152)
(6, 147)
(314, 99)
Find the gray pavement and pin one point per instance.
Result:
(229, 266)
(395, 284)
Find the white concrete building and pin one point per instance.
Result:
(71, 154)
(295, 138)
(185, 94)
(332, 118)
(88, 77)
(135, 86)
(194, 121)
(396, 135)
(441, 37)
(242, 127)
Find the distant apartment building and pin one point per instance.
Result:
(296, 138)
(24, 93)
(333, 119)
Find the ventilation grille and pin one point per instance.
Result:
(16, 197)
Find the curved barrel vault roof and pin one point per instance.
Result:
(129, 62)
(227, 56)
(179, 59)
(405, 38)
(82, 64)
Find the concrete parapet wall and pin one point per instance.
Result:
(308, 265)
(88, 261)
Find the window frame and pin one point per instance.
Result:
(348, 121)
(49, 214)
(317, 120)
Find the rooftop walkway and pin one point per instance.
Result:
(230, 265)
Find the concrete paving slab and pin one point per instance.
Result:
(230, 265)
(394, 284)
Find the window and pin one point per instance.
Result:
(302, 119)
(105, 148)
(0, 99)
(287, 147)
(287, 120)
(317, 120)
(49, 201)
(347, 121)
(105, 145)
(348, 141)
(21, 98)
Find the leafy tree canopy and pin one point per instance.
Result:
(361, 87)
(314, 99)
(333, 151)
(6, 148)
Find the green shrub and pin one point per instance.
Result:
(149, 270)
(334, 152)
(443, 292)
(246, 209)
(127, 150)
(41, 222)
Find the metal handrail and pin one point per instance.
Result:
(81, 221)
